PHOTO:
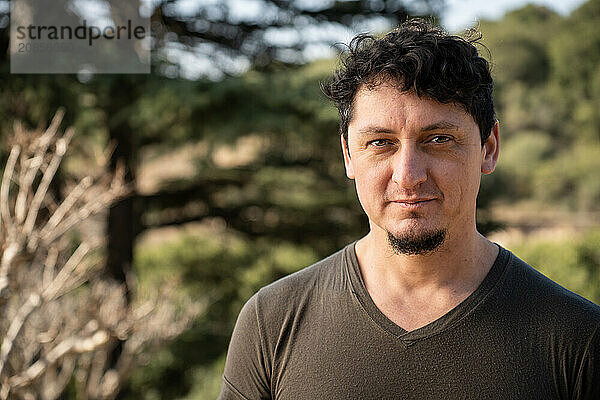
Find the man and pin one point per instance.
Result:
(423, 306)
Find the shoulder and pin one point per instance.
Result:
(290, 289)
(567, 325)
(327, 274)
(278, 310)
(300, 295)
(548, 300)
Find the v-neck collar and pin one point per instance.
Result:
(444, 322)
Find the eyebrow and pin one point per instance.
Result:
(440, 126)
(436, 126)
(374, 129)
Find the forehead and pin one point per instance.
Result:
(387, 106)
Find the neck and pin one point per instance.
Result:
(460, 264)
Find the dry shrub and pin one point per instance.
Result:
(62, 317)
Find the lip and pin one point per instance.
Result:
(412, 203)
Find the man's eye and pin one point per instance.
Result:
(440, 139)
(379, 142)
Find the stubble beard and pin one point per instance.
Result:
(416, 243)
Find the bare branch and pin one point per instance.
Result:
(56, 384)
(72, 344)
(34, 164)
(66, 272)
(5, 186)
(67, 205)
(11, 250)
(61, 148)
(58, 332)
(49, 265)
(16, 325)
(101, 202)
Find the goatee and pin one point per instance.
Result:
(416, 244)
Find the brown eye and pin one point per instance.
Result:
(379, 142)
(440, 139)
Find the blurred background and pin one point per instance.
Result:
(232, 157)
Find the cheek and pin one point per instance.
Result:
(371, 183)
(459, 183)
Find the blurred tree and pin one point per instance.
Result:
(519, 44)
(229, 33)
(574, 262)
(547, 76)
(575, 50)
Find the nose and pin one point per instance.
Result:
(409, 164)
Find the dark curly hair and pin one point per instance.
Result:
(421, 57)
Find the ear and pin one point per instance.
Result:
(490, 151)
(347, 160)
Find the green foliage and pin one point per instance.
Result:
(207, 381)
(518, 45)
(547, 96)
(520, 155)
(223, 270)
(574, 51)
(573, 262)
(570, 179)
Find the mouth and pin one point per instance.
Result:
(413, 203)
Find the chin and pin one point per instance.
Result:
(416, 242)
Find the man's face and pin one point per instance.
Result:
(416, 163)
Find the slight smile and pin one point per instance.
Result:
(413, 203)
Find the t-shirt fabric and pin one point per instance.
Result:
(316, 334)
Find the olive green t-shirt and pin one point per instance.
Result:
(317, 334)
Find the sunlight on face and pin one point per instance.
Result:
(416, 164)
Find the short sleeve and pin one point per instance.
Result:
(588, 380)
(246, 375)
